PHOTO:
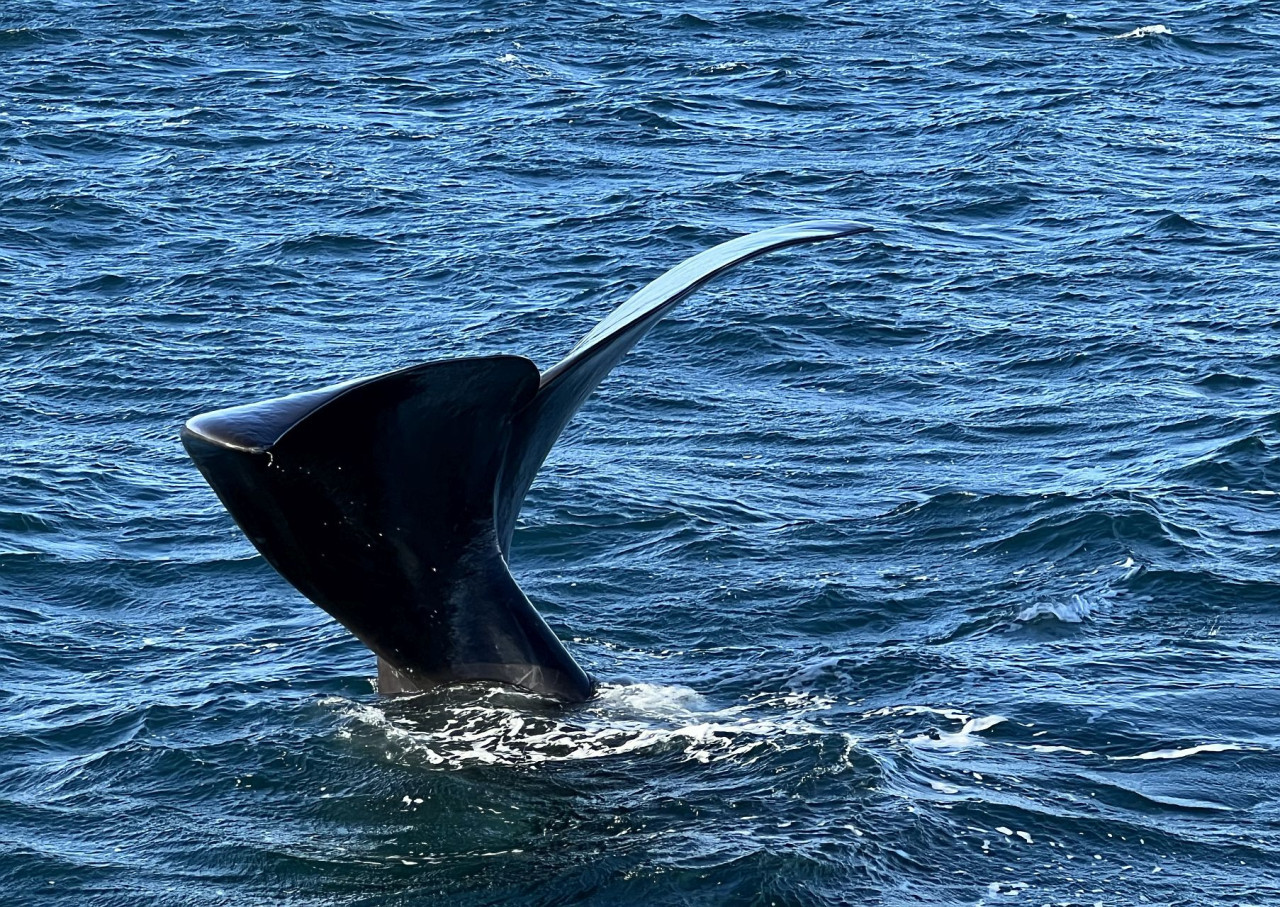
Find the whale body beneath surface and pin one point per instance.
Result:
(390, 501)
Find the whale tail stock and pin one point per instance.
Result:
(390, 501)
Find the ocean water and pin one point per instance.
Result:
(937, 565)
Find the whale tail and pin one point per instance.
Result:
(390, 501)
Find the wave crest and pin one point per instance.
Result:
(1145, 31)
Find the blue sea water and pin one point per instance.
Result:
(933, 566)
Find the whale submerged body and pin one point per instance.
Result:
(390, 501)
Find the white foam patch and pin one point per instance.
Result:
(1077, 610)
(499, 729)
(1146, 31)
(952, 714)
(1048, 748)
(965, 737)
(1189, 751)
(654, 699)
(512, 61)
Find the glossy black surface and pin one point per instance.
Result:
(390, 501)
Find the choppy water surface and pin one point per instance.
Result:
(932, 566)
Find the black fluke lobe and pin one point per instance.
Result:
(391, 501)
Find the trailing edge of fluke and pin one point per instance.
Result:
(390, 501)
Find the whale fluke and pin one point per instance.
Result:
(390, 501)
